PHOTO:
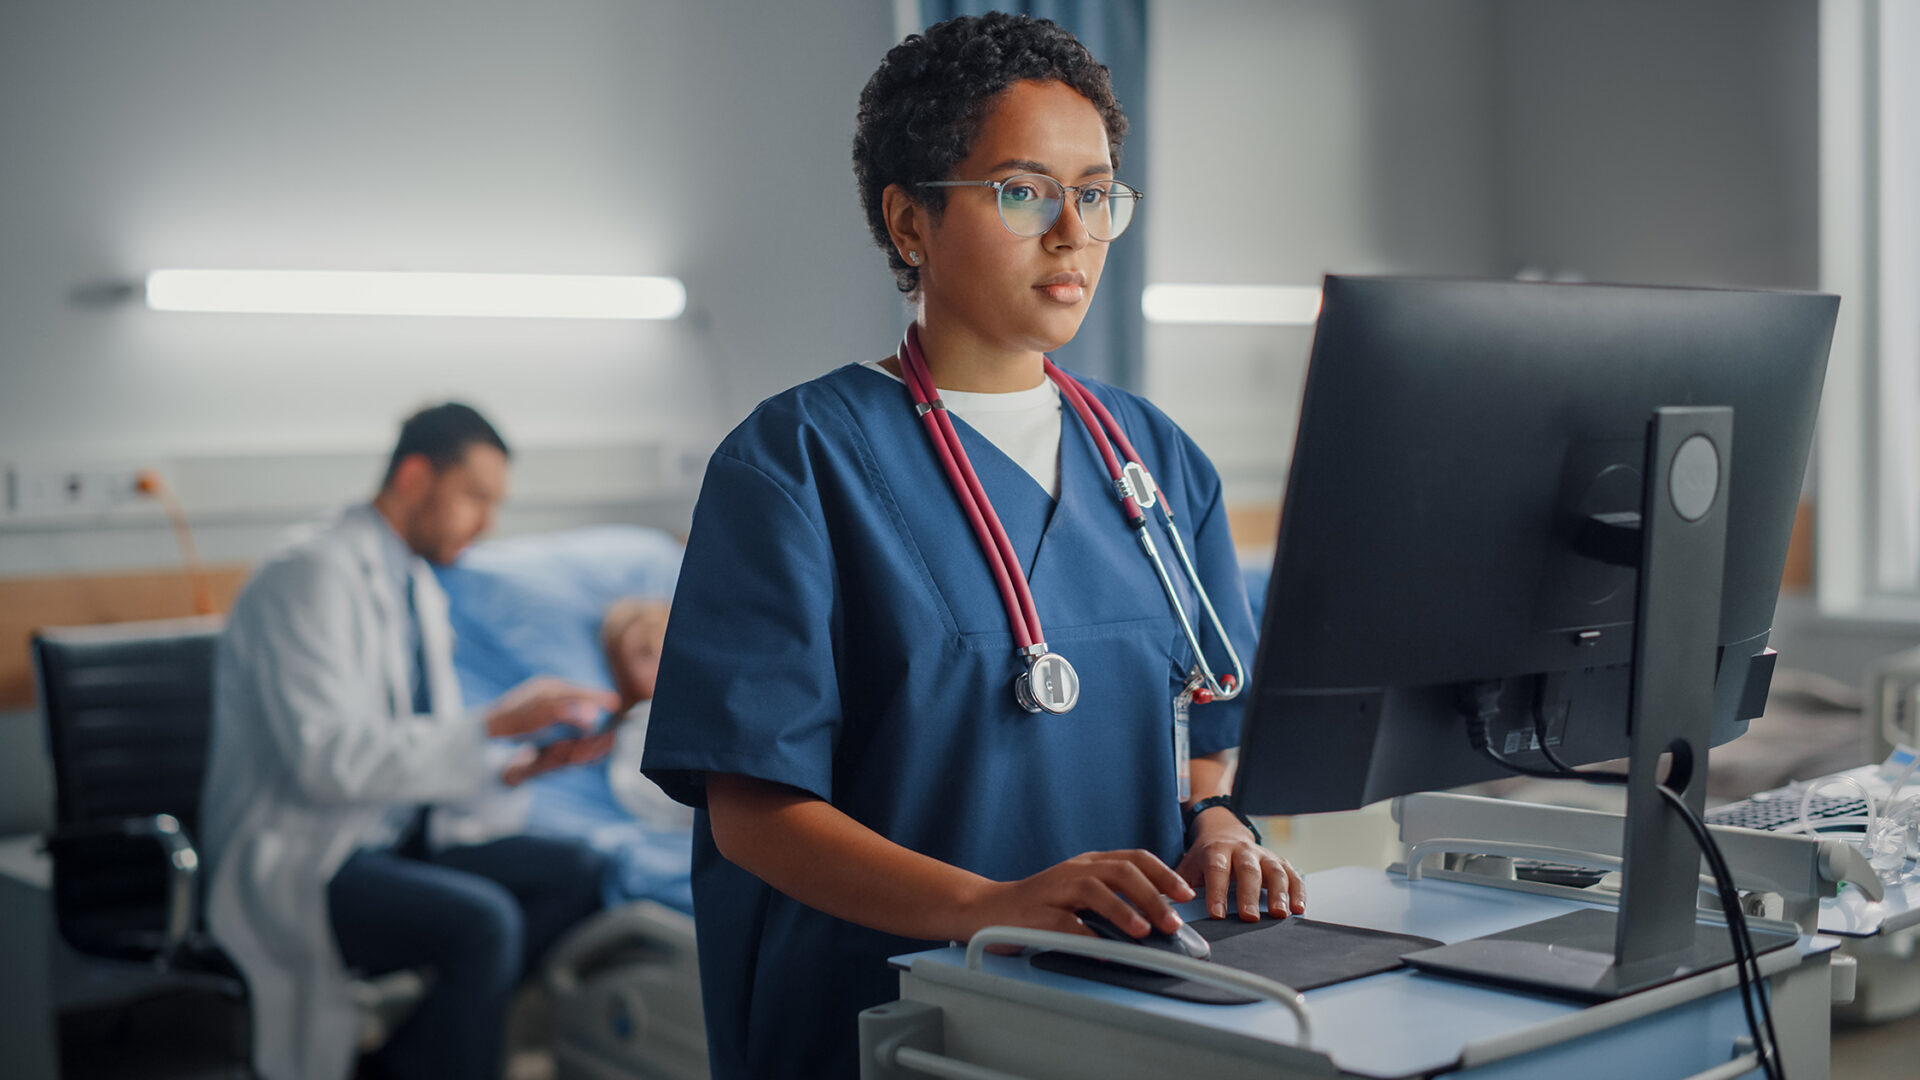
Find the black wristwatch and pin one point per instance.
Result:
(1192, 814)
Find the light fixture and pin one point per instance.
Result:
(355, 292)
(1260, 305)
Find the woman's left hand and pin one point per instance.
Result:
(1223, 850)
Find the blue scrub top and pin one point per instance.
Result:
(836, 629)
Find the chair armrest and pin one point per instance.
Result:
(183, 867)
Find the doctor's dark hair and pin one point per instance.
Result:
(920, 112)
(442, 433)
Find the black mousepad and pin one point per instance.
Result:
(1298, 952)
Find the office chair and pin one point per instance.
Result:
(128, 711)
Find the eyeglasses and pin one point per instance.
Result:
(1030, 203)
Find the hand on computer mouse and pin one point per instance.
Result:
(1132, 887)
(1185, 942)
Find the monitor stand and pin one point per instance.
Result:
(1656, 938)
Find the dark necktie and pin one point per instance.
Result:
(422, 689)
(412, 841)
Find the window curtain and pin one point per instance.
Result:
(1111, 344)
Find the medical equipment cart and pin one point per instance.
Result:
(967, 1013)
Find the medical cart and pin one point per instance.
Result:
(970, 1014)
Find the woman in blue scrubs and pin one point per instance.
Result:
(835, 695)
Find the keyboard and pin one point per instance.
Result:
(1782, 811)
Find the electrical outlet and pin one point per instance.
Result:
(57, 491)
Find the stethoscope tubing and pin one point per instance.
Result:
(1015, 594)
(1085, 403)
(1023, 614)
(1096, 417)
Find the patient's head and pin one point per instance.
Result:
(631, 633)
(447, 475)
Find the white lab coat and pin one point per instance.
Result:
(314, 742)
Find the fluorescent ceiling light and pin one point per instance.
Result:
(353, 292)
(1265, 305)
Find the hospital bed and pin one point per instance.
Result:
(625, 994)
(624, 987)
(530, 606)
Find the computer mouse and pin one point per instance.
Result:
(1187, 942)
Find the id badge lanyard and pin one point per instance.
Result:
(1182, 743)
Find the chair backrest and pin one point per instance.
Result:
(128, 708)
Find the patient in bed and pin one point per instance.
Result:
(631, 635)
(588, 605)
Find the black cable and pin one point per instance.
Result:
(1746, 960)
(1737, 925)
(1753, 998)
(1486, 707)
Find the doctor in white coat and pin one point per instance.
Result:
(337, 719)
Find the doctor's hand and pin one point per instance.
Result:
(1223, 849)
(1113, 883)
(541, 703)
(529, 762)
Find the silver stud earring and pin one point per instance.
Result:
(913, 257)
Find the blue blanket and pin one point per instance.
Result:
(532, 605)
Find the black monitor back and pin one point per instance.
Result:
(1454, 436)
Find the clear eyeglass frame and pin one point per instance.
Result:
(1120, 201)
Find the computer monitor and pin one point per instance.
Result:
(1459, 541)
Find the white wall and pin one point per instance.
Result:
(1648, 140)
(1651, 140)
(1662, 141)
(1292, 139)
(707, 140)
(704, 140)
(1655, 141)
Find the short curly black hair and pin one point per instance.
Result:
(921, 111)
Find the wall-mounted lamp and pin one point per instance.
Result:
(354, 292)
(1259, 305)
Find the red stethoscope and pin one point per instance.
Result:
(1050, 684)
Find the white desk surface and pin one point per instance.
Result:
(1434, 1018)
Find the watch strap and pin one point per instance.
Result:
(1193, 811)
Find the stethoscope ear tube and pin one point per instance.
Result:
(1137, 489)
(1223, 689)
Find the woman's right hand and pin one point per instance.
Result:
(1112, 883)
(813, 852)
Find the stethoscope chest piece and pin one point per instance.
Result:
(1048, 685)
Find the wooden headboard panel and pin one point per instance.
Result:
(29, 603)
(1255, 526)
